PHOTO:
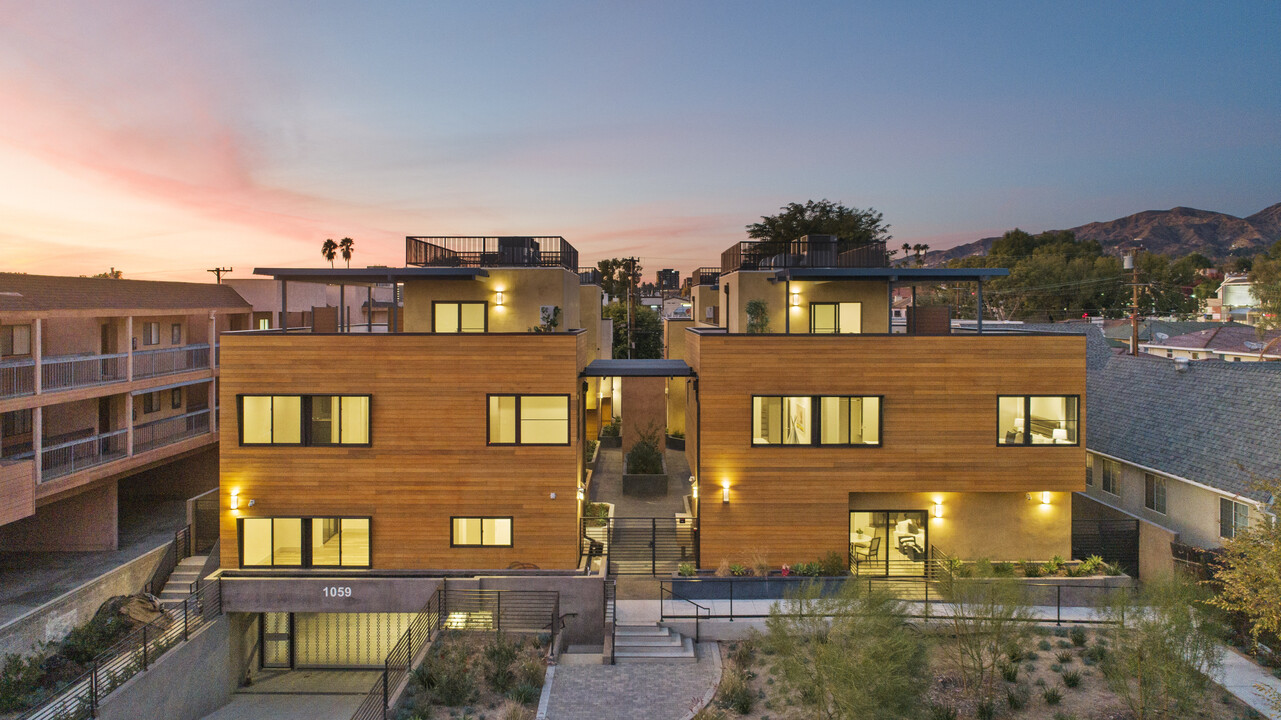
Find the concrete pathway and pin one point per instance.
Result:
(607, 486)
(31, 579)
(654, 691)
(1239, 674)
(299, 695)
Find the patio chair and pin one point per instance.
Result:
(870, 553)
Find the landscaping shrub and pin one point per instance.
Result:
(645, 458)
(500, 654)
(722, 570)
(526, 694)
(743, 654)
(1054, 565)
(758, 561)
(1072, 678)
(686, 569)
(1090, 565)
(1010, 671)
(611, 430)
(942, 712)
(1078, 636)
(1065, 657)
(598, 514)
(19, 680)
(985, 710)
(1003, 569)
(1032, 569)
(1053, 696)
(1043, 645)
(736, 693)
(88, 641)
(738, 570)
(531, 672)
(1017, 696)
(833, 565)
(446, 677)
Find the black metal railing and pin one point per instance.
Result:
(130, 656)
(175, 553)
(707, 276)
(810, 252)
(588, 276)
(422, 631)
(640, 546)
(611, 614)
(665, 593)
(542, 251)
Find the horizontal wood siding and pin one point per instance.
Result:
(939, 430)
(428, 459)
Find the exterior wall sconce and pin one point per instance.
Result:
(1045, 498)
(796, 298)
(235, 499)
(498, 298)
(580, 494)
(725, 491)
(938, 509)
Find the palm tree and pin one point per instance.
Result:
(348, 246)
(329, 249)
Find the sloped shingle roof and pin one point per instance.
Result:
(1216, 423)
(35, 293)
(1230, 338)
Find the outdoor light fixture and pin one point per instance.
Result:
(498, 298)
(796, 298)
(1045, 498)
(235, 499)
(938, 509)
(725, 491)
(580, 494)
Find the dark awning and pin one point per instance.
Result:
(637, 368)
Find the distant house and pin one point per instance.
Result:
(1177, 445)
(1235, 300)
(1231, 342)
(1117, 331)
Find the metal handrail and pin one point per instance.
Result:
(74, 455)
(64, 372)
(666, 588)
(195, 423)
(165, 361)
(491, 251)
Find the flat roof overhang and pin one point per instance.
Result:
(637, 368)
(340, 276)
(892, 274)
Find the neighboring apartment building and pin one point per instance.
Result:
(1231, 342)
(830, 433)
(1234, 300)
(1178, 445)
(100, 379)
(669, 281)
(705, 296)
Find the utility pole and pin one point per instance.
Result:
(218, 271)
(631, 295)
(1129, 263)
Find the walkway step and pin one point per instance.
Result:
(196, 561)
(650, 629)
(684, 654)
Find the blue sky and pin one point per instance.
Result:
(165, 137)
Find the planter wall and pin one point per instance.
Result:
(636, 485)
(675, 443)
(774, 587)
(607, 441)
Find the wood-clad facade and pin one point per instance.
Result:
(938, 440)
(428, 458)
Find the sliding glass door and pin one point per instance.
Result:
(889, 542)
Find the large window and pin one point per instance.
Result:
(816, 420)
(528, 419)
(1111, 476)
(151, 333)
(15, 340)
(832, 318)
(304, 542)
(1234, 517)
(1037, 420)
(456, 317)
(480, 532)
(151, 402)
(1154, 493)
(304, 419)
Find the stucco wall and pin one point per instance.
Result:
(745, 286)
(646, 409)
(998, 526)
(192, 680)
(705, 297)
(85, 521)
(525, 291)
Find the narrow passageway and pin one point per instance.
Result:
(607, 486)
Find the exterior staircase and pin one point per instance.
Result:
(179, 585)
(652, 643)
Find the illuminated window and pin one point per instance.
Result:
(1037, 420)
(829, 318)
(455, 317)
(816, 420)
(481, 532)
(528, 419)
(304, 542)
(330, 419)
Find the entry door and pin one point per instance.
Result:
(277, 640)
(889, 542)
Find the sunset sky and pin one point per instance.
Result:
(163, 138)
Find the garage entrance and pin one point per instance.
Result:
(334, 641)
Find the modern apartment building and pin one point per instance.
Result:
(100, 379)
(812, 428)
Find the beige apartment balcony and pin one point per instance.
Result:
(70, 372)
(167, 361)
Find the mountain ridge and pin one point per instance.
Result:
(1176, 232)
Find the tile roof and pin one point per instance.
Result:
(20, 292)
(1216, 423)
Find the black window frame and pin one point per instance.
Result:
(482, 518)
(460, 304)
(569, 425)
(14, 423)
(1111, 471)
(1089, 470)
(305, 554)
(1150, 484)
(837, 315)
(1230, 505)
(304, 432)
(816, 423)
(1027, 415)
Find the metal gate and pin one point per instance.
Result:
(641, 546)
(1116, 541)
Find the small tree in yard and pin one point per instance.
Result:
(757, 316)
(1163, 647)
(852, 655)
(989, 617)
(1249, 571)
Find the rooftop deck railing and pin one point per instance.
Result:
(65, 372)
(168, 431)
(543, 251)
(707, 275)
(812, 253)
(167, 361)
(588, 276)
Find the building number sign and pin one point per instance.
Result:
(337, 592)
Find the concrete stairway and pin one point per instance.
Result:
(179, 585)
(652, 643)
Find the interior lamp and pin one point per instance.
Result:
(725, 491)
(1018, 424)
(1060, 435)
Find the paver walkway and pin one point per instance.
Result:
(641, 691)
(607, 486)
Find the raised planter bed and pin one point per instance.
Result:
(645, 485)
(675, 443)
(610, 441)
(706, 586)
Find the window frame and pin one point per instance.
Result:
(151, 400)
(1151, 482)
(175, 399)
(175, 334)
(151, 333)
(1114, 476)
(1089, 469)
(1027, 414)
(304, 419)
(836, 316)
(305, 554)
(1233, 504)
(12, 331)
(569, 424)
(482, 518)
(460, 304)
(816, 423)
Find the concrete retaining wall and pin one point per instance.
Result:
(190, 681)
(53, 620)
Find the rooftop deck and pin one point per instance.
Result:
(477, 252)
(811, 251)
